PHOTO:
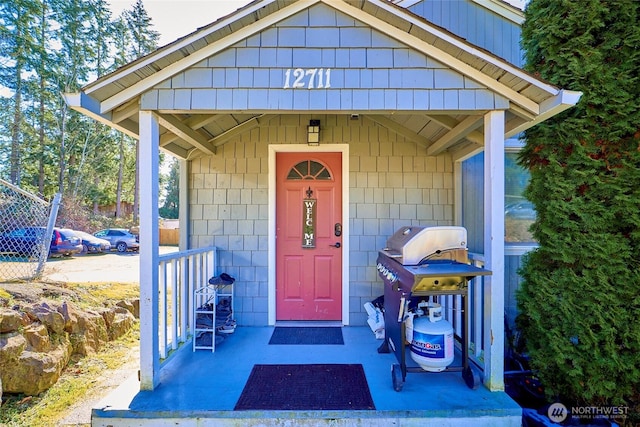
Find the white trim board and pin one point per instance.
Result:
(271, 262)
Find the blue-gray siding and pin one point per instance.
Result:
(476, 24)
(392, 183)
(368, 71)
(473, 202)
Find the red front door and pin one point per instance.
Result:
(308, 236)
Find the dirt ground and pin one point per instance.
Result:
(113, 267)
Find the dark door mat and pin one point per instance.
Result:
(306, 387)
(307, 335)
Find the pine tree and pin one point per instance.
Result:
(48, 47)
(17, 43)
(579, 300)
(44, 93)
(144, 37)
(145, 40)
(171, 205)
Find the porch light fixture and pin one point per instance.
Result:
(313, 132)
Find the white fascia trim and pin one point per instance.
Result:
(470, 49)
(406, 3)
(197, 35)
(88, 106)
(497, 6)
(202, 54)
(564, 100)
(504, 9)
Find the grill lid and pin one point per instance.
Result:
(410, 245)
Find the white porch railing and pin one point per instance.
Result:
(180, 273)
(452, 306)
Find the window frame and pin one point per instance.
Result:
(514, 146)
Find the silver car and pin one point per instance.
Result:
(121, 239)
(93, 245)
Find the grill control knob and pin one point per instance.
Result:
(387, 274)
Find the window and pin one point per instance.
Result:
(309, 169)
(519, 212)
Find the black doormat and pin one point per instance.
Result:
(306, 387)
(307, 335)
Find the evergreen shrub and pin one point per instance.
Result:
(579, 302)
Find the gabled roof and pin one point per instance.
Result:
(114, 98)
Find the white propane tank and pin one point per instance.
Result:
(432, 342)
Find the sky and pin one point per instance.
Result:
(176, 18)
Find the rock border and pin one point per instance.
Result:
(37, 341)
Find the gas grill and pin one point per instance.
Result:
(419, 263)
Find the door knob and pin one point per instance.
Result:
(337, 245)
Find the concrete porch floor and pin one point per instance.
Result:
(201, 388)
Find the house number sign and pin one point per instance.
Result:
(309, 221)
(311, 78)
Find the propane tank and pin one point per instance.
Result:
(408, 321)
(432, 341)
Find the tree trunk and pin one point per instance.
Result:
(14, 176)
(43, 97)
(41, 137)
(136, 184)
(120, 174)
(96, 182)
(62, 163)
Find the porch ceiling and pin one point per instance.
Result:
(190, 135)
(115, 98)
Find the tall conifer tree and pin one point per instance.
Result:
(171, 206)
(17, 45)
(145, 40)
(47, 48)
(580, 296)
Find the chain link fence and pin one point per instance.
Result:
(26, 227)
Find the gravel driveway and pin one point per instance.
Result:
(112, 267)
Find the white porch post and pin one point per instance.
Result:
(494, 249)
(183, 214)
(149, 243)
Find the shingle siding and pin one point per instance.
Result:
(476, 24)
(259, 73)
(392, 183)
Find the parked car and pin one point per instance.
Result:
(121, 239)
(92, 244)
(24, 241)
(21, 241)
(65, 242)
